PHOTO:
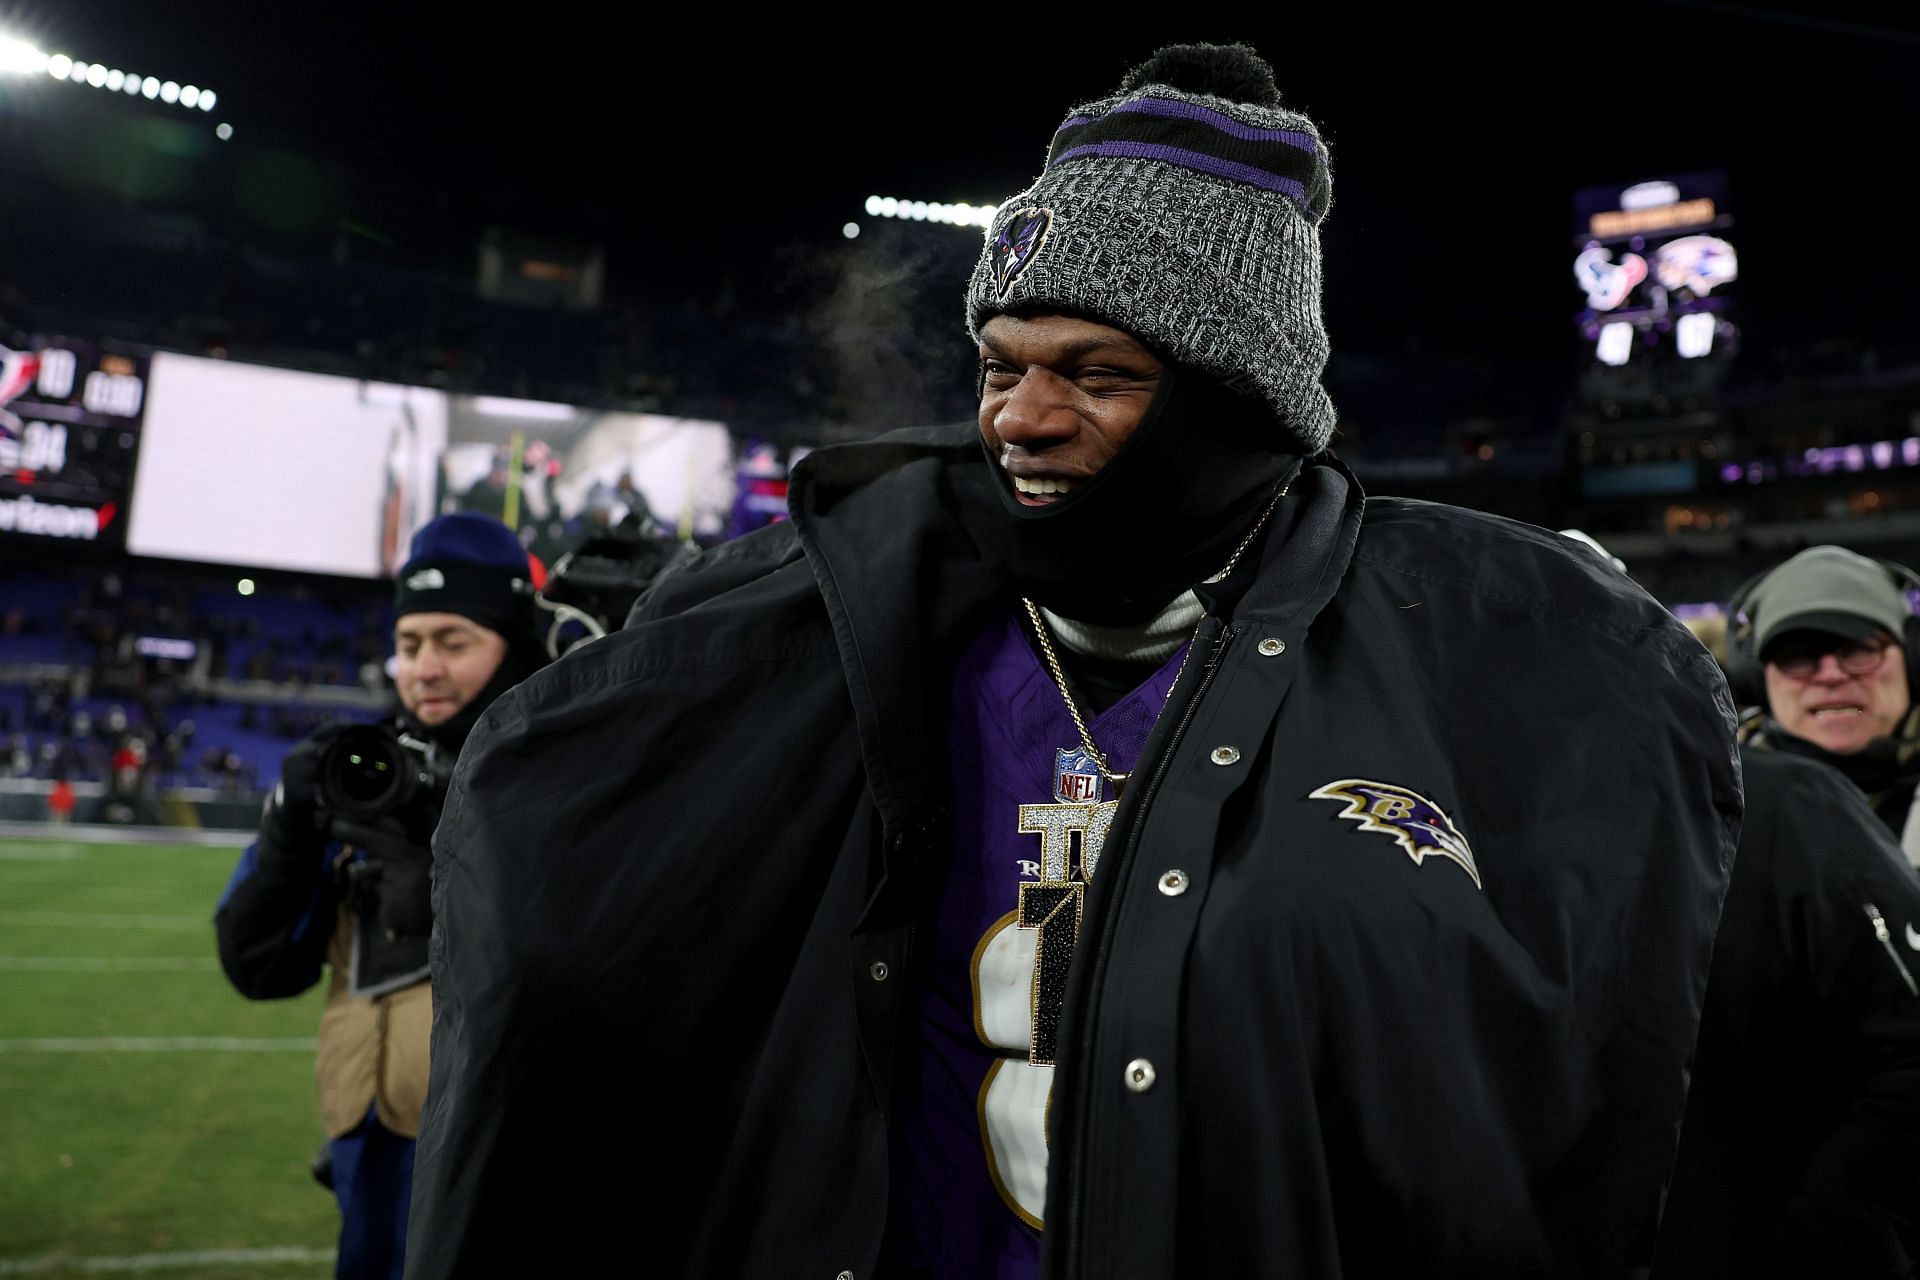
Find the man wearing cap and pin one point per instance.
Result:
(348, 892)
(1099, 842)
(1830, 631)
(1797, 1152)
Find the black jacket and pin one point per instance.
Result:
(671, 863)
(1800, 1152)
(1888, 771)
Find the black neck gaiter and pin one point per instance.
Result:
(524, 657)
(1875, 768)
(1162, 515)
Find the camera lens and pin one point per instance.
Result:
(365, 778)
(367, 772)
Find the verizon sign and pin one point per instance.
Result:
(53, 520)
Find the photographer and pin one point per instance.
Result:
(339, 874)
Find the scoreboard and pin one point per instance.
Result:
(1655, 263)
(70, 418)
(262, 467)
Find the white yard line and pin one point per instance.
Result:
(161, 1044)
(92, 920)
(101, 964)
(164, 1261)
(84, 833)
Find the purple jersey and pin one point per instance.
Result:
(1030, 813)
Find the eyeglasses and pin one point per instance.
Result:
(1856, 657)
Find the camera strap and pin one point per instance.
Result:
(382, 962)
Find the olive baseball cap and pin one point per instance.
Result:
(1828, 589)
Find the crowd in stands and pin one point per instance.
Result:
(176, 682)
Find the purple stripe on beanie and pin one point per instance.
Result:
(1219, 120)
(1262, 178)
(1204, 115)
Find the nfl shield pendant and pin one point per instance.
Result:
(1076, 777)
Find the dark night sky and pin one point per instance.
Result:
(1457, 141)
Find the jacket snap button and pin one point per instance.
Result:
(879, 971)
(844, 1275)
(1173, 883)
(1140, 1075)
(1225, 755)
(1272, 648)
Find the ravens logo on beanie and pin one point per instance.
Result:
(1184, 209)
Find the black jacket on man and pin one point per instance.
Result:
(1800, 1151)
(673, 863)
(1887, 771)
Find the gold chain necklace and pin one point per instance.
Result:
(1060, 676)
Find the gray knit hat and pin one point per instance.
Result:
(1187, 214)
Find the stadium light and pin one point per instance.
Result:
(954, 215)
(22, 57)
(223, 131)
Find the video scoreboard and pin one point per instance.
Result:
(1655, 263)
(70, 420)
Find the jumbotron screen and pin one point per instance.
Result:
(271, 468)
(559, 472)
(1654, 262)
(258, 467)
(70, 422)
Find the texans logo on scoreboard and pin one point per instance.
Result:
(18, 369)
(1076, 777)
(1017, 245)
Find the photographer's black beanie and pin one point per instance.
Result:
(473, 565)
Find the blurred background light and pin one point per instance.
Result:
(20, 57)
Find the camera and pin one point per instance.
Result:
(593, 587)
(372, 771)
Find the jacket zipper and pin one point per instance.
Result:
(1886, 940)
(1103, 943)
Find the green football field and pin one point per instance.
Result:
(152, 1122)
